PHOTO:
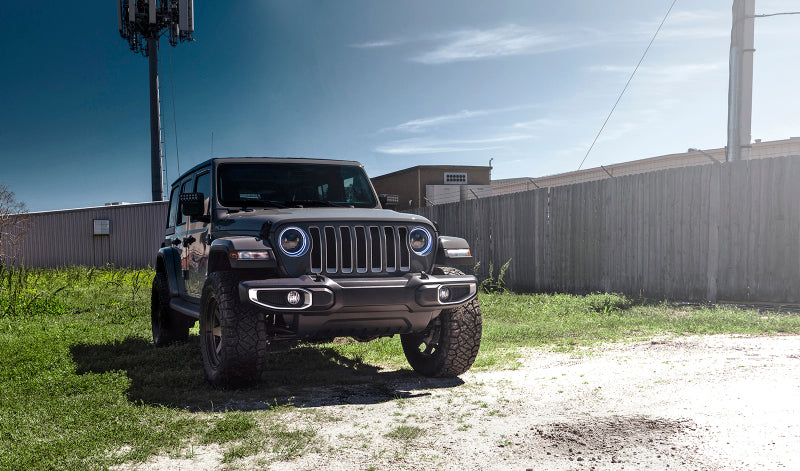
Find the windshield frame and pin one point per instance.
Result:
(283, 190)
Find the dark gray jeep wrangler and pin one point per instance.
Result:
(263, 250)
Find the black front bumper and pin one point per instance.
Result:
(359, 307)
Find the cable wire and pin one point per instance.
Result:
(777, 14)
(626, 85)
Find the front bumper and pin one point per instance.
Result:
(358, 306)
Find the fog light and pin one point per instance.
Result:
(294, 298)
(444, 293)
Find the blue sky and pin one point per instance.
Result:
(391, 84)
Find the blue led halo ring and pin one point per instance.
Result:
(428, 245)
(303, 246)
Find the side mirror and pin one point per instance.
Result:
(192, 204)
(388, 201)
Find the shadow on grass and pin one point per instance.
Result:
(305, 376)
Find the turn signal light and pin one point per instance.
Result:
(251, 255)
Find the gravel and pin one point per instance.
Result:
(694, 403)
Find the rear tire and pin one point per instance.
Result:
(449, 345)
(168, 325)
(233, 335)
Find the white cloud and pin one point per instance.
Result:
(437, 146)
(419, 125)
(668, 73)
(422, 124)
(377, 44)
(508, 40)
(540, 123)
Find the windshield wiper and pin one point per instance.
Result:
(258, 203)
(272, 203)
(314, 203)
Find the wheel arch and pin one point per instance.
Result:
(168, 262)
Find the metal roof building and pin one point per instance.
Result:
(123, 235)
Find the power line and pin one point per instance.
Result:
(626, 85)
(777, 14)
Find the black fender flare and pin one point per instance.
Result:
(168, 261)
(451, 252)
(221, 250)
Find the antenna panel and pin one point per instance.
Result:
(153, 4)
(119, 15)
(132, 11)
(191, 16)
(186, 15)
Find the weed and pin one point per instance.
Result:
(232, 426)
(492, 284)
(287, 443)
(405, 432)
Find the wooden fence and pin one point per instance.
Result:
(718, 232)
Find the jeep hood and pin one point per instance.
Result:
(250, 222)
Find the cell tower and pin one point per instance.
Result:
(141, 23)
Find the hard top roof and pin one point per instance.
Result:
(217, 160)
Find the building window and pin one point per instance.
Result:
(102, 227)
(455, 178)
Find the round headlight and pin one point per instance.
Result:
(420, 240)
(293, 241)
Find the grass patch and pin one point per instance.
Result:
(562, 321)
(81, 386)
(232, 426)
(405, 433)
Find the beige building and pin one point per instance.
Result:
(758, 150)
(426, 185)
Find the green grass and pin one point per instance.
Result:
(405, 433)
(562, 321)
(81, 386)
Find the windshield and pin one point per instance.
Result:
(294, 184)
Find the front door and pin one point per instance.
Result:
(196, 241)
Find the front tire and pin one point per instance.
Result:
(168, 326)
(449, 345)
(233, 335)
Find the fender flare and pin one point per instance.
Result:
(447, 247)
(219, 254)
(168, 261)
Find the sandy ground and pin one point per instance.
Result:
(695, 403)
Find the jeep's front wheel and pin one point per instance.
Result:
(233, 336)
(450, 343)
(168, 326)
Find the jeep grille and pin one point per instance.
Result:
(359, 249)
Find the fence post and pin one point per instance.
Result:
(713, 232)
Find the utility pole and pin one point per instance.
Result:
(143, 21)
(740, 84)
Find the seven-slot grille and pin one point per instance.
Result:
(359, 249)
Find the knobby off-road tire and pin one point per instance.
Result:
(233, 335)
(168, 326)
(450, 343)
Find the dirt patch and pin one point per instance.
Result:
(698, 403)
(615, 439)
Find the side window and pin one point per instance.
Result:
(185, 188)
(173, 208)
(203, 185)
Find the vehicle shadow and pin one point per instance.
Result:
(307, 376)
